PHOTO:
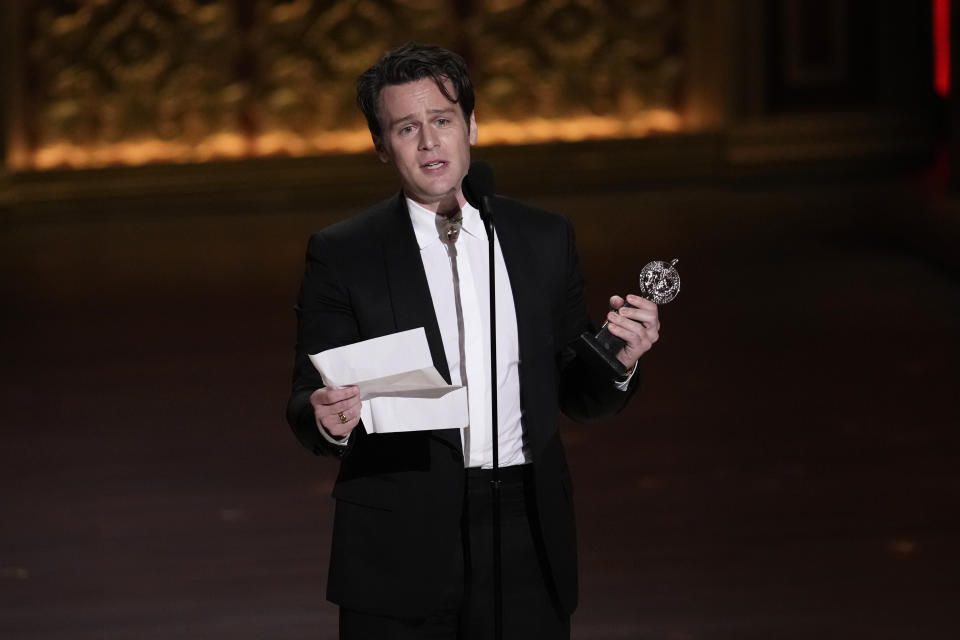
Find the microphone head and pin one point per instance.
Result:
(478, 183)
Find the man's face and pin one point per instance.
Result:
(427, 139)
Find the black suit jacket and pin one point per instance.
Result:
(396, 540)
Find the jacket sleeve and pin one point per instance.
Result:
(325, 319)
(584, 394)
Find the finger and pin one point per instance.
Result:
(332, 395)
(639, 302)
(649, 318)
(616, 302)
(642, 323)
(627, 327)
(340, 416)
(349, 406)
(638, 339)
(341, 422)
(336, 394)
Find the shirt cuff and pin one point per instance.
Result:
(623, 384)
(342, 442)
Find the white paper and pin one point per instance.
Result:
(399, 386)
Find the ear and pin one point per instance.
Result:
(473, 129)
(382, 152)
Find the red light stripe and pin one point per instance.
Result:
(941, 47)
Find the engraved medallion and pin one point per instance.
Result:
(659, 281)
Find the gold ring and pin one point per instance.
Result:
(343, 418)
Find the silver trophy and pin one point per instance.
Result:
(659, 283)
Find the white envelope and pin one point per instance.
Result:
(399, 386)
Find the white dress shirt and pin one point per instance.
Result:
(458, 275)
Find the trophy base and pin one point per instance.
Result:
(597, 358)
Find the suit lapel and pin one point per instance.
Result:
(410, 293)
(529, 297)
(534, 323)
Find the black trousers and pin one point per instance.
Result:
(530, 609)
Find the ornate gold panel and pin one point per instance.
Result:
(107, 82)
(128, 82)
(576, 69)
(309, 55)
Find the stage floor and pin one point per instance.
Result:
(788, 470)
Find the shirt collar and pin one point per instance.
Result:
(425, 223)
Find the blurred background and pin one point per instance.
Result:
(790, 466)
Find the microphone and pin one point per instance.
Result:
(478, 190)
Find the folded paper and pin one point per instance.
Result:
(400, 388)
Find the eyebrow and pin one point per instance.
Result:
(411, 116)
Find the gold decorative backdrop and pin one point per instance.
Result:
(126, 82)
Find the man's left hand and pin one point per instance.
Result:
(638, 325)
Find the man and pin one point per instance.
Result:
(411, 553)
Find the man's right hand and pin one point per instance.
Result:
(337, 410)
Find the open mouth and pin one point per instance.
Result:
(436, 164)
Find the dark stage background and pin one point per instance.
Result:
(790, 466)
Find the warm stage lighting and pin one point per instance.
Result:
(137, 152)
(287, 143)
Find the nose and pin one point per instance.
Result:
(427, 139)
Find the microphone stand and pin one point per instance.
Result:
(486, 212)
(478, 190)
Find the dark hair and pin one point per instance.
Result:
(409, 63)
